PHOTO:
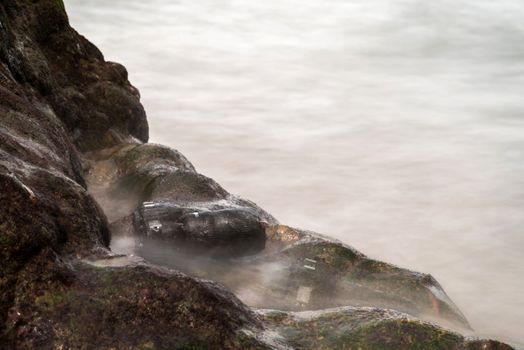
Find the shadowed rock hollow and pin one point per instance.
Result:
(76, 175)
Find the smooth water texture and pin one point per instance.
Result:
(394, 125)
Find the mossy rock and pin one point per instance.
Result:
(149, 171)
(131, 307)
(186, 186)
(132, 159)
(367, 328)
(345, 276)
(334, 275)
(335, 255)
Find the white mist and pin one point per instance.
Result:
(396, 126)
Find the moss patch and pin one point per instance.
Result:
(366, 328)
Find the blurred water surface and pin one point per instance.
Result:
(396, 126)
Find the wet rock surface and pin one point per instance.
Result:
(310, 272)
(45, 58)
(73, 304)
(76, 179)
(224, 232)
(366, 328)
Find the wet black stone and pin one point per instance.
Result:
(225, 232)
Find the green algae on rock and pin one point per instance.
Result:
(366, 328)
(328, 272)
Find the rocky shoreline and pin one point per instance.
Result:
(204, 269)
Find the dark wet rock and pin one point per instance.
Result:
(227, 232)
(44, 203)
(53, 63)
